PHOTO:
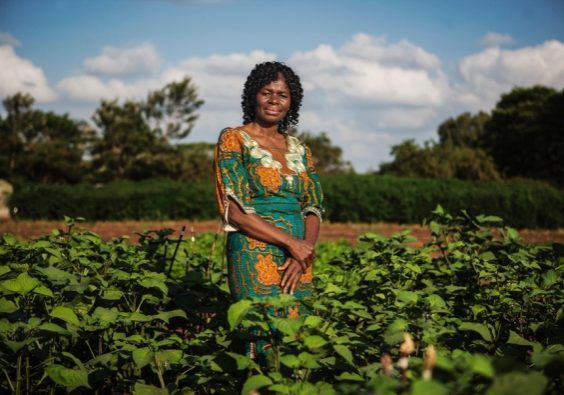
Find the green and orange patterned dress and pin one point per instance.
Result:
(280, 187)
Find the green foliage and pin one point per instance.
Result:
(525, 134)
(349, 198)
(136, 135)
(373, 198)
(328, 158)
(466, 130)
(147, 199)
(522, 137)
(41, 146)
(440, 161)
(78, 314)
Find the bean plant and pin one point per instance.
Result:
(474, 311)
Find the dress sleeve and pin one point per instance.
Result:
(312, 199)
(231, 181)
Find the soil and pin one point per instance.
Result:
(28, 230)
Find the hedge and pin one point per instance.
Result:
(358, 198)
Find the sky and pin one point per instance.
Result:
(375, 72)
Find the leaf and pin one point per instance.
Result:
(153, 282)
(436, 302)
(142, 356)
(549, 278)
(489, 218)
(408, 297)
(104, 315)
(344, 352)
(169, 356)
(308, 360)
(313, 321)
(349, 376)
(482, 365)
(4, 270)
(146, 389)
(255, 382)
(138, 317)
(332, 288)
(69, 378)
(428, 387)
(288, 326)
(112, 294)
(52, 327)
(23, 284)
(237, 312)
(56, 275)
(519, 383)
(7, 306)
(242, 361)
(435, 228)
(66, 314)
(290, 361)
(481, 329)
(43, 290)
(314, 342)
(16, 346)
(167, 315)
(514, 338)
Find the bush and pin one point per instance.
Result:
(349, 198)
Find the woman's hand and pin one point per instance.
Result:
(302, 251)
(291, 277)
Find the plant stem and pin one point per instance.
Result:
(159, 372)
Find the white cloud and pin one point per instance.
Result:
(90, 88)
(220, 78)
(21, 75)
(369, 70)
(367, 95)
(402, 54)
(137, 60)
(492, 39)
(8, 39)
(488, 74)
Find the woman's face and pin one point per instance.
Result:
(273, 102)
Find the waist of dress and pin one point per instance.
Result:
(276, 204)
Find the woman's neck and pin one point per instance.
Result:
(267, 131)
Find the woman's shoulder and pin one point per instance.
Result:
(230, 132)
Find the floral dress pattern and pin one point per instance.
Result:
(280, 187)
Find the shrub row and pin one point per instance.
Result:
(370, 198)
(359, 198)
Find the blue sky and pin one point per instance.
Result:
(375, 72)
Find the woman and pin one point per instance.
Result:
(268, 192)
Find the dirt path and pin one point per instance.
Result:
(329, 231)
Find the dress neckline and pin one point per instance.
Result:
(286, 140)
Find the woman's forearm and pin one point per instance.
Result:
(257, 228)
(312, 225)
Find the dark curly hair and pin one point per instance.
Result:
(262, 74)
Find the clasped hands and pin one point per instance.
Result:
(302, 254)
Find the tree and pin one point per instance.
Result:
(126, 137)
(466, 130)
(439, 161)
(41, 146)
(525, 135)
(328, 158)
(172, 110)
(136, 135)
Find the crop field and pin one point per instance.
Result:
(31, 229)
(468, 306)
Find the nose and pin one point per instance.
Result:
(273, 98)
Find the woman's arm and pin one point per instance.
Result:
(256, 227)
(293, 269)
